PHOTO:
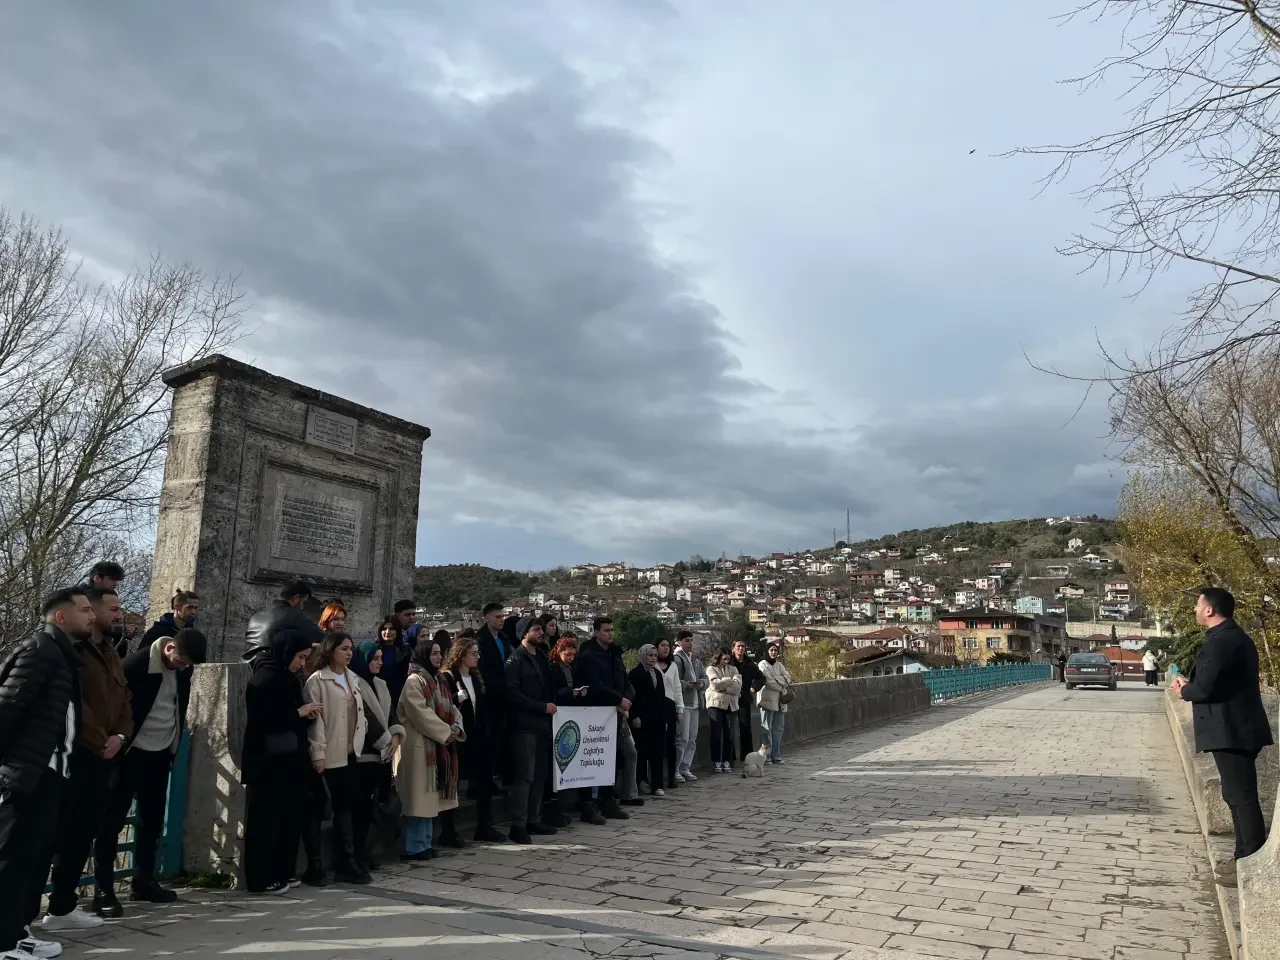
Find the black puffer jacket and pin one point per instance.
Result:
(37, 681)
(265, 624)
(602, 671)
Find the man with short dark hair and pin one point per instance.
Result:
(693, 681)
(106, 724)
(531, 694)
(601, 670)
(495, 648)
(1228, 718)
(105, 575)
(39, 723)
(182, 612)
(284, 614)
(159, 679)
(405, 612)
(752, 683)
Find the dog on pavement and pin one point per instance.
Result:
(753, 766)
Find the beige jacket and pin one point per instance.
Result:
(724, 684)
(328, 733)
(776, 682)
(416, 779)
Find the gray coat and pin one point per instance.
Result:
(691, 671)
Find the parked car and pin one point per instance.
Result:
(1090, 669)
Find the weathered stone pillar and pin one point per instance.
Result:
(213, 825)
(1259, 875)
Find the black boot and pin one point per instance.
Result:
(591, 814)
(315, 875)
(360, 844)
(345, 869)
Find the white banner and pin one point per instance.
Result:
(584, 747)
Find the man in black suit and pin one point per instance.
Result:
(496, 646)
(1229, 718)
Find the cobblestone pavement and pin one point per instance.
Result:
(1019, 824)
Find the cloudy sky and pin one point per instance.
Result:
(661, 278)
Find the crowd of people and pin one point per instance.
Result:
(390, 731)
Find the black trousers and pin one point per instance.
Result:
(744, 731)
(315, 802)
(531, 757)
(651, 740)
(273, 823)
(79, 816)
(1150, 676)
(344, 797)
(141, 775)
(28, 826)
(722, 722)
(1239, 773)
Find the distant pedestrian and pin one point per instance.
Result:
(1229, 719)
(648, 719)
(752, 684)
(39, 722)
(1062, 668)
(723, 690)
(773, 699)
(1150, 667)
(427, 771)
(693, 683)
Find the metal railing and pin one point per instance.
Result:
(169, 850)
(960, 681)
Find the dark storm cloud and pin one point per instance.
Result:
(432, 216)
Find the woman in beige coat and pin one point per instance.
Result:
(427, 765)
(335, 739)
(724, 686)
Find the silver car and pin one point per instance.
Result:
(1090, 669)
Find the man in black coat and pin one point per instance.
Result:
(531, 695)
(39, 722)
(752, 683)
(601, 670)
(159, 679)
(1229, 719)
(495, 647)
(284, 613)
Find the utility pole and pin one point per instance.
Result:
(848, 530)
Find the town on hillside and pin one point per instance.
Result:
(973, 593)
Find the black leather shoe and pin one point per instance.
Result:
(542, 830)
(352, 874)
(106, 905)
(315, 876)
(489, 835)
(615, 812)
(591, 814)
(148, 891)
(452, 840)
(520, 836)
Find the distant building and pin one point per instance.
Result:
(878, 662)
(1030, 605)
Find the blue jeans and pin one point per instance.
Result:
(417, 834)
(772, 723)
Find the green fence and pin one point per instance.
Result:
(960, 681)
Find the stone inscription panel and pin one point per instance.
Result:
(331, 430)
(315, 528)
(312, 526)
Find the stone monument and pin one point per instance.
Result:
(268, 481)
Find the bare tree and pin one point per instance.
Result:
(83, 412)
(1192, 179)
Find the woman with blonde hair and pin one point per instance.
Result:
(427, 764)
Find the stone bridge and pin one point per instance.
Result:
(1022, 823)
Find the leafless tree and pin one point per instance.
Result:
(1192, 180)
(83, 412)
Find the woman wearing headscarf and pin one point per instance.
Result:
(648, 718)
(724, 685)
(397, 648)
(672, 711)
(773, 712)
(274, 767)
(461, 674)
(427, 764)
(373, 765)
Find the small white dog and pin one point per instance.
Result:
(753, 766)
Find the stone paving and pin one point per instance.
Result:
(1019, 824)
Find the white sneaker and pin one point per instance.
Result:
(678, 777)
(688, 775)
(77, 919)
(35, 947)
(659, 792)
(292, 882)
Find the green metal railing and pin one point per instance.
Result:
(961, 681)
(169, 850)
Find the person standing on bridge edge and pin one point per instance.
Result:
(752, 683)
(159, 679)
(1150, 668)
(773, 699)
(39, 723)
(1229, 719)
(106, 724)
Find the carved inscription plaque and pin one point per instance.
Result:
(316, 527)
